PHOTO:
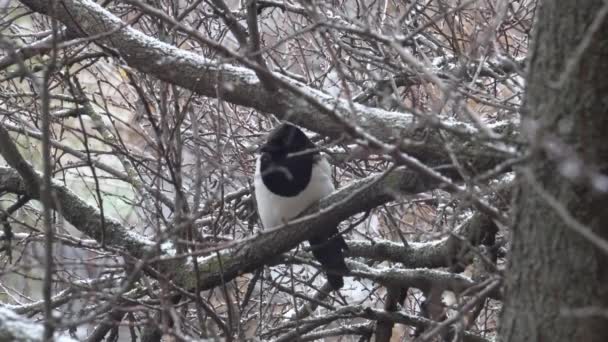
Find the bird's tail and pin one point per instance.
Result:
(328, 251)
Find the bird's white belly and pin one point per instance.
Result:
(276, 210)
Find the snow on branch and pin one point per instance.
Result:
(16, 328)
(241, 256)
(241, 86)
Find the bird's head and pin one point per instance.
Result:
(286, 140)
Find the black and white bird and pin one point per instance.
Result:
(291, 174)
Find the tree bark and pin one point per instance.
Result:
(553, 269)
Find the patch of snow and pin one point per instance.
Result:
(570, 168)
(201, 260)
(356, 290)
(438, 61)
(21, 329)
(600, 182)
(138, 237)
(450, 122)
(289, 315)
(168, 248)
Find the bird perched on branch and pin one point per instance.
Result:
(291, 175)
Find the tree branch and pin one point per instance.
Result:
(81, 215)
(241, 256)
(241, 86)
(16, 328)
(438, 253)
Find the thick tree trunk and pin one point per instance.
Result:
(553, 269)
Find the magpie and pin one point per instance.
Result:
(291, 174)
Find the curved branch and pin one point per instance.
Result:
(438, 253)
(234, 258)
(241, 86)
(241, 256)
(80, 214)
(304, 326)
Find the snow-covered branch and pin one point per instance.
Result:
(241, 86)
(16, 328)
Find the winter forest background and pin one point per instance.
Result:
(468, 141)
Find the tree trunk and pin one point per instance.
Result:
(553, 269)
